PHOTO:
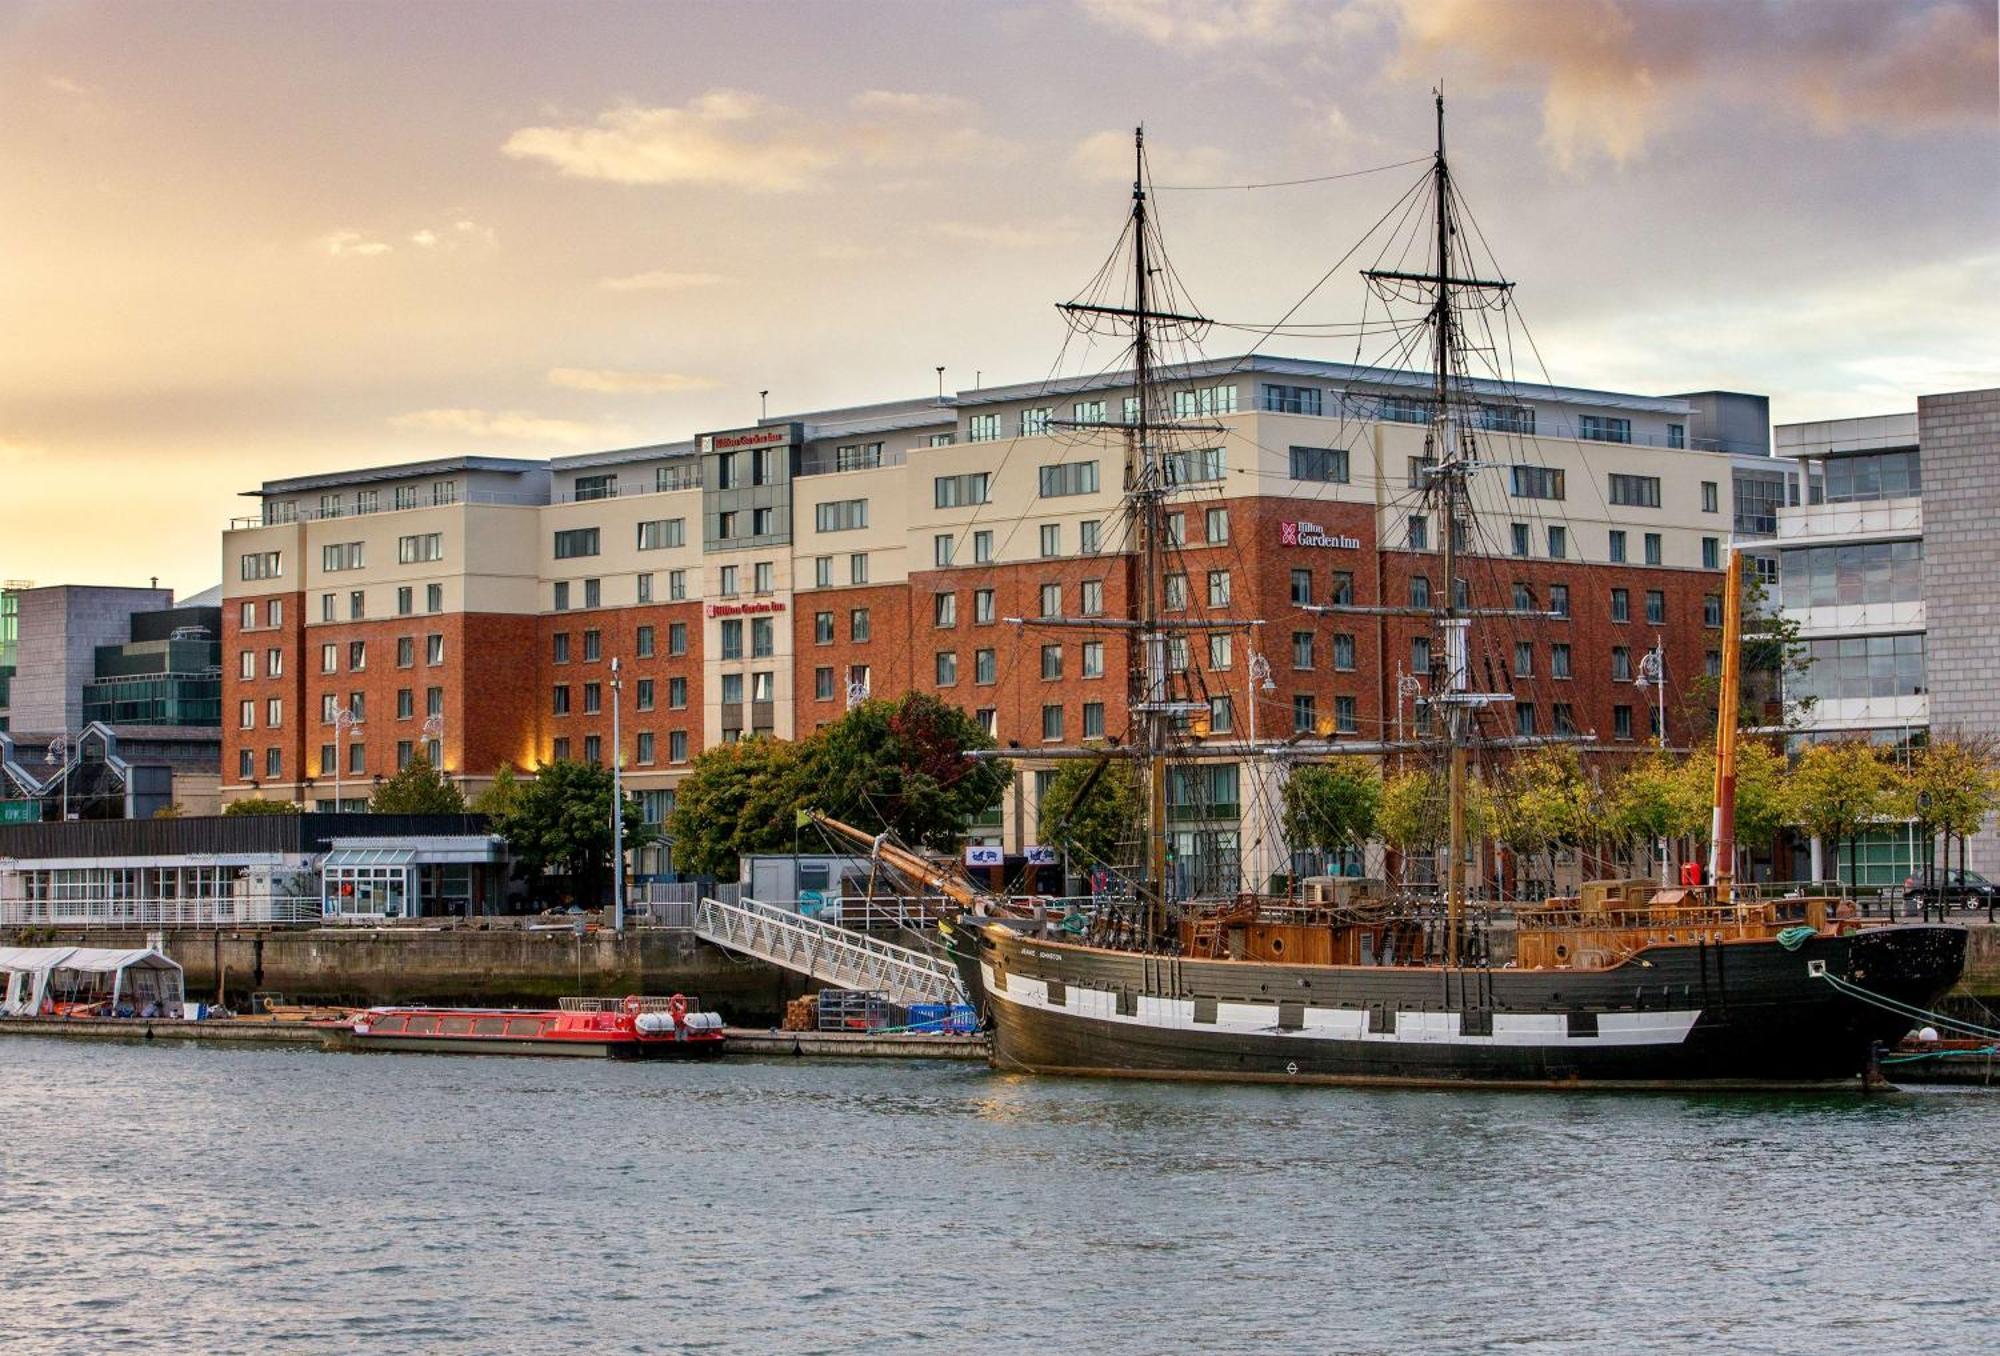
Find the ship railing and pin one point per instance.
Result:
(647, 1003)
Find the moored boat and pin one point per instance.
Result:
(635, 1028)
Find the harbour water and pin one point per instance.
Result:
(214, 1200)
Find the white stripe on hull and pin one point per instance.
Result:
(1261, 1019)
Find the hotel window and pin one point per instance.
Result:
(246, 715)
(947, 668)
(1524, 718)
(246, 664)
(1418, 532)
(1088, 412)
(677, 693)
(559, 750)
(661, 533)
(346, 555)
(857, 624)
(1068, 478)
(677, 585)
(1559, 661)
(434, 648)
(326, 607)
(1204, 400)
(593, 592)
(763, 577)
(763, 686)
(357, 605)
(1052, 723)
(1404, 410)
(982, 428)
(1621, 722)
(1292, 399)
(1711, 553)
(1507, 418)
(1346, 717)
(1305, 713)
(1091, 602)
(405, 496)
(725, 580)
(249, 617)
(1051, 540)
(983, 610)
(1711, 497)
(944, 609)
(677, 638)
(643, 751)
(989, 721)
(763, 466)
(1604, 429)
(357, 655)
(576, 542)
(1343, 653)
(856, 457)
(406, 703)
(941, 549)
(732, 638)
(419, 549)
(1653, 548)
(1524, 659)
(434, 597)
(677, 746)
(262, 565)
(1558, 542)
(1327, 465)
(1215, 527)
(1221, 715)
(1343, 588)
(822, 628)
(1035, 422)
(1129, 410)
(645, 582)
(1536, 482)
(1677, 435)
(1635, 491)
(593, 646)
(1218, 588)
(1656, 607)
(841, 515)
(327, 760)
(357, 759)
(274, 613)
(593, 749)
(1621, 605)
(1420, 590)
(1559, 599)
(1093, 659)
(274, 763)
(1052, 661)
(1176, 529)
(406, 753)
(1711, 663)
(406, 601)
(943, 439)
(985, 667)
(959, 491)
(643, 692)
(1302, 649)
(763, 637)
(1194, 467)
(1420, 654)
(596, 487)
(1617, 551)
(982, 548)
(433, 701)
(1711, 610)
(1221, 651)
(1519, 533)
(823, 684)
(1176, 593)
(593, 698)
(274, 663)
(1093, 720)
(329, 658)
(725, 526)
(1051, 599)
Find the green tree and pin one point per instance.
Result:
(1950, 787)
(901, 766)
(737, 799)
(560, 824)
(1544, 802)
(1762, 805)
(1837, 790)
(1092, 814)
(418, 789)
(1332, 807)
(1652, 799)
(258, 806)
(500, 797)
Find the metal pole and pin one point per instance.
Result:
(617, 809)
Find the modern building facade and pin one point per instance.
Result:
(1887, 561)
(758, 580)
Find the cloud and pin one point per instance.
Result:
(737, 139)
(14, 453)
(461, 234)
(611, 381)
(1203, 25)
(351, 244)
(661, 280)
(62, 84)
(1006, 236)
(1107, 156)
(519, 424)
(1613, 74)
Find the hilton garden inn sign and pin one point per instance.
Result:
(1312, 534)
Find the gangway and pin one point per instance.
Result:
(822, 951)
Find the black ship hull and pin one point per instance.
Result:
(1739, 1013)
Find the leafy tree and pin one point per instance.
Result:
(1773, 659)
(170, 811)
(737, 799)
(418, 789)
(901, 765)
(1544, 802)
(560, 824)
(1950, 787)
(1837, 790)
(1654, 798)
(1090, 814)
(1762, 804)
(258, 806)
(1331, 807)
(498, 800)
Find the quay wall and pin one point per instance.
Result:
(469, 966)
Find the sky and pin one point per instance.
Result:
(243, 241)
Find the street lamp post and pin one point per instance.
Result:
(59, 748)
(617, 807)
(433, 732)
(1653, 673)
(345, 720)
(1260, 682)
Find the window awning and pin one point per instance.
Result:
(360, 856)
(442, 850)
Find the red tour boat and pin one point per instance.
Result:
(636, 1028)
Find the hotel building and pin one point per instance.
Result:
(755, 581)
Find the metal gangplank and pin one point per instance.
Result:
(850, 960)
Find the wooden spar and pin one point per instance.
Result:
(1722, 834)
(900, 859)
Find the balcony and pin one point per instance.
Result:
(1873, 519)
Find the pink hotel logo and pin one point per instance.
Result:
(1312, 534)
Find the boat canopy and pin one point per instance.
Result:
(37, 977)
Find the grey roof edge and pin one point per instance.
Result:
(364, 474)
(622, 456)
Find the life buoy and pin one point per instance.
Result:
(633, 1005)
(677, 1008)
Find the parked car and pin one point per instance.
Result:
(1957, 889)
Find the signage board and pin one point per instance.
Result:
(1041, 856)
(20, 811)
(743, 609)
(767, 435)
(1303, 533)
(985, 856)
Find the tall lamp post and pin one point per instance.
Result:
(345, 721)
(59, 749)
(617, 807)
(1653, 674)
(433, 732)
(1260, 683)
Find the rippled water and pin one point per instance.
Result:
(217, 1200)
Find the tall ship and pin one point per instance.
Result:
(1629, 983)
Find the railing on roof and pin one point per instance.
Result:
(283, 515)
(820, 461)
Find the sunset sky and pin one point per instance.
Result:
(240, 241)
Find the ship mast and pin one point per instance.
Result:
(1148, 494)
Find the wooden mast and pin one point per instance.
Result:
(1722, 827)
